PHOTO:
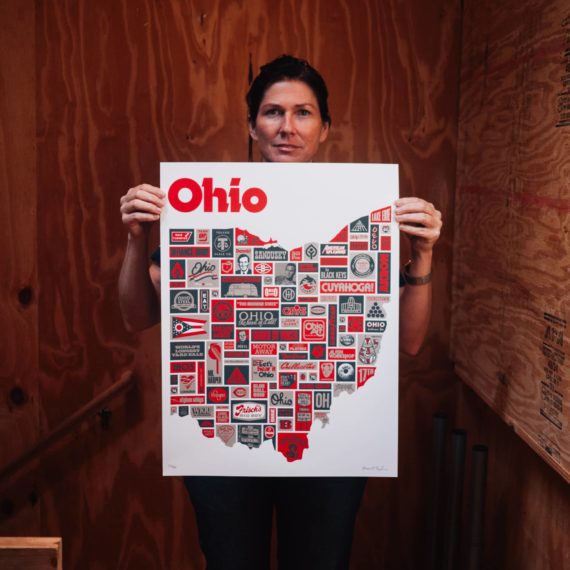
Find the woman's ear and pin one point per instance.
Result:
(251, 127)
(324, 132)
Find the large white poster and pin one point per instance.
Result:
(280, 289)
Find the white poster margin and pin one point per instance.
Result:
(332, 450)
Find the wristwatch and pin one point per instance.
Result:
(411, 280)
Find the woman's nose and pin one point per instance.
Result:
(287, 125)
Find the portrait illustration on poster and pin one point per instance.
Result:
(280, 319)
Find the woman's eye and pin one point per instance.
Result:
(272, 112)
(304, 112)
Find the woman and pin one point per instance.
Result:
(288, 119)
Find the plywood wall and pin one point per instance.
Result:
(527, 517)
(19, 290)
(512, 252)
(510, 303)
(111, 88)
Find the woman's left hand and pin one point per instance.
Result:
(420, 221)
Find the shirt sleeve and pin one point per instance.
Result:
(155, 258)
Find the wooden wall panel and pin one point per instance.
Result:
(122, 85)
(512, 253)
(511, 258)
(527, 522)
(18, 234)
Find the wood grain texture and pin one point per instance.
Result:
(31, 553)
(122, 85)
(18, 234)
(527, 520)
(512, 252)
(18, 349)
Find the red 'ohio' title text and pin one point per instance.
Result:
(252, 199)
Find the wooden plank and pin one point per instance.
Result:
(19, 420)
(511, 300)
(18, 286)
(30, 553)
(524, 495)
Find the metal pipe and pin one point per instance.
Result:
(434, 522)
(477, 507)
(455, 498)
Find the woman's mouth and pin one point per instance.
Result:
(286, 147)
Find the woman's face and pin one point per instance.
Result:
(288, 127)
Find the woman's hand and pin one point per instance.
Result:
(141, 206)
(420, 221)
(139, 286)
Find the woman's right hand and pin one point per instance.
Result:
(141, 206)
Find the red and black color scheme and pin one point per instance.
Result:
(263, 339)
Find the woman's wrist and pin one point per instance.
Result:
(420, 263)
(418, 270)
(137, 246)
(137, 238)
(410, 279)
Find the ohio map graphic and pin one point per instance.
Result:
(263, 339)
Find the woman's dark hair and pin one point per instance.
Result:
(283, 68)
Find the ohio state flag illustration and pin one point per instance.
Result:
(279, 302)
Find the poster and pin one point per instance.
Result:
(279, 294)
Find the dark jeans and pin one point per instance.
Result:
(315, 520)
